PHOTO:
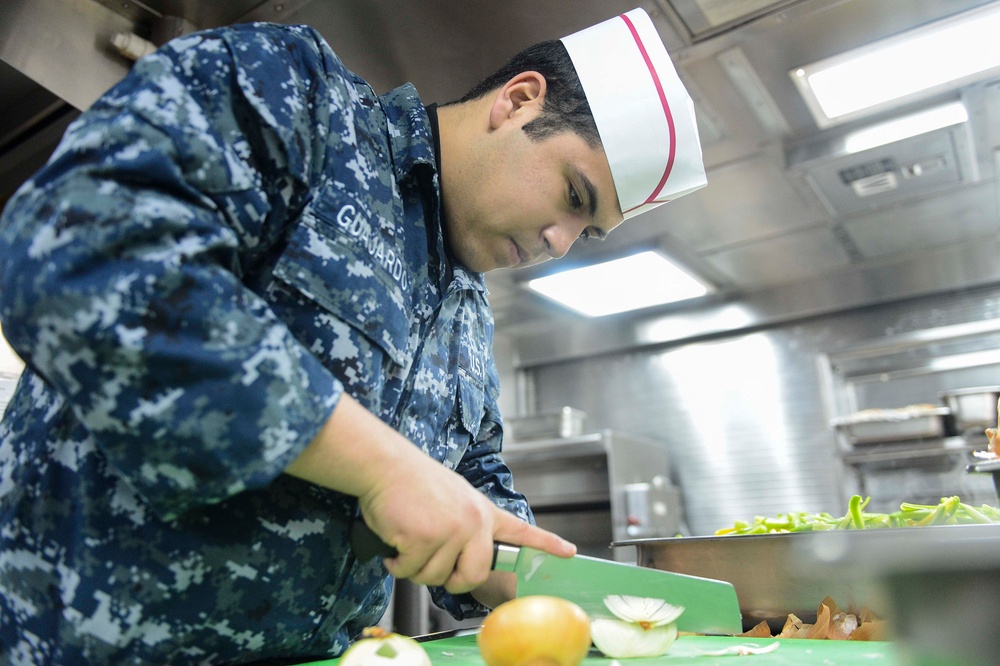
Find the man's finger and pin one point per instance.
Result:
(438, 567)
(472, 568)
(510, 529)
(410, 561)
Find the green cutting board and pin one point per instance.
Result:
(462, 651)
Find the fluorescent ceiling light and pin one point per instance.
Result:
(905, 67)
(914, 124)
(637, 281)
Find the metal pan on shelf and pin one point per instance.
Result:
(876, 426)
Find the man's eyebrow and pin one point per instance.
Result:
(591, 191)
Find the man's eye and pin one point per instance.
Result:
(574, 199)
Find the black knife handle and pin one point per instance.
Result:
(365, 544)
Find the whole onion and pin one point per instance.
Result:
(535, 631)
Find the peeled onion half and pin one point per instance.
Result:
(619, 639)
(535, 631)
(641, 627)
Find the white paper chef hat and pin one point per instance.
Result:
(643, 112)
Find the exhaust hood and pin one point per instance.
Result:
(849, 181)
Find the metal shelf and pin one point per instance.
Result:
(903, 455)
(907, 450)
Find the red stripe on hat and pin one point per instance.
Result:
(666, 112)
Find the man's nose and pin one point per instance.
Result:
(559, 238)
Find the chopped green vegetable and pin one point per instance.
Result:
(949, 511)
(854, 508)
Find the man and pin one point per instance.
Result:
(248, 292)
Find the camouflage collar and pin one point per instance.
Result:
(412, 141)
(411, 138)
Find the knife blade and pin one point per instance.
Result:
(710, 606)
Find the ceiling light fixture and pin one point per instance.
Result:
(638, 281)
(904, 127)
(903, 68)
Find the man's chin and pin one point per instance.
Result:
(533, 262)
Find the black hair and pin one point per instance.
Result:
(565, 107)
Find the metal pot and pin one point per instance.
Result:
(567, 422)
(973, 408)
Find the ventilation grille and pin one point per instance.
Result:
(883, 176)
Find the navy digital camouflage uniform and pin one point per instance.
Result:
(232, 237)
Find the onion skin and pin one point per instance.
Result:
(535, 630)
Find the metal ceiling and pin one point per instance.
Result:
(776, 226)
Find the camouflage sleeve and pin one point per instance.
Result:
(482, 464)
(484, 468)
(122, 284)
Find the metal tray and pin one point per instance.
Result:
(894, 425)
(764, 570)
(778, 574)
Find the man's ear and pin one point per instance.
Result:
(522, 94)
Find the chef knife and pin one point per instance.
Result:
(710, 606)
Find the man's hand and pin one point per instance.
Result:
(442, 527)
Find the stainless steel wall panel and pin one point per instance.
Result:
(745, 418)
